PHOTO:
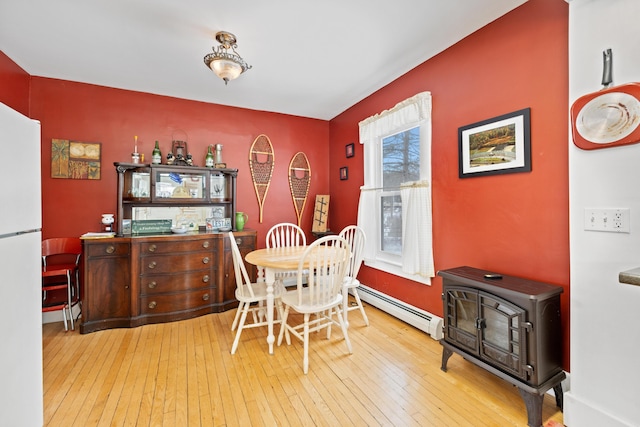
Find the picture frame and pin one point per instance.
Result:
(344, 173)
(499, 145)
(75, 159)
(350, 150)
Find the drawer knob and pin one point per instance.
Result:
(239, 241)
(152, 305)
(110, 249)
(152, 248)
(205, 260)
(152, 265)
(205, 297)
(205, 278)
(205, 244)
(152, 285)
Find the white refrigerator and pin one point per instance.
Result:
(21, 400)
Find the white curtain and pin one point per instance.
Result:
(416, 215)
(417, 251)
(412, 111)
(366, 210)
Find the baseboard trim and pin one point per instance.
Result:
(580, 413)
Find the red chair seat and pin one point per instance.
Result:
(60, 259)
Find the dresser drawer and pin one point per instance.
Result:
(107, 249)
(169, 303)
(176, 263)
(173, 247)
(245, 242)
(156, 284)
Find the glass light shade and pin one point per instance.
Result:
(226, 69)
(225, 61)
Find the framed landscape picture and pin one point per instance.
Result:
(496, 146)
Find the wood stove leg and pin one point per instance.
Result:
(559, 396)
(446, 354)
(533, 402)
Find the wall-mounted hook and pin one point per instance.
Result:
(607, 64)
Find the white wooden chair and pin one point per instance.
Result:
(326, 261)
(281, 235)
(285, 234)
(248, 293)
(356, 239)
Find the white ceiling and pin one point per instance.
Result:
(310, 58)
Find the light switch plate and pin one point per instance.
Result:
(613, 220)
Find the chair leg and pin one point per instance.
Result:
(73, 327)
(72, 320)
(305, 360)
(322, 317)
(345, 304)
(64, 317)
(359, 302)
(344, 331)
(235, 319)
(283, 327)
(279, 311)
(245, 309)
(69, 300)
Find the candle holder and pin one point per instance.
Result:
(135, 156)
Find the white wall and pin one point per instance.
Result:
(605, 314)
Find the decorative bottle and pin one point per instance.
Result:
(218, 157)
(156, 155)
(208, 160)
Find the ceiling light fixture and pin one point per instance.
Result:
(225, 61)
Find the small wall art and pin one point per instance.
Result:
(498, 145)
(261, 163)
(350, 150)
(344, 173)
(75, 160)
(299, 182)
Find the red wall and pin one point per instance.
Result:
(89, 113)
(14, 85)
(516, 223)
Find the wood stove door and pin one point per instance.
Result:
(461, 318)
(503, 330)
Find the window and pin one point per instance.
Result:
(400, 164)
(401, 158)
(395, 202)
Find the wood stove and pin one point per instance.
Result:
(509, 326)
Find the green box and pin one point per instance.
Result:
(151, 226)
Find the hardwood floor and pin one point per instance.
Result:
(182, 374)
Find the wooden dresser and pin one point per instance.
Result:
(133, 281)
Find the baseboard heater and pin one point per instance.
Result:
(414, 316)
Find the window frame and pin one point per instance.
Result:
(373, 148)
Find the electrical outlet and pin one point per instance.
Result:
(614, 220)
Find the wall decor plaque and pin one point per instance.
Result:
(75, 160)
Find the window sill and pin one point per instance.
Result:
(396, 270)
